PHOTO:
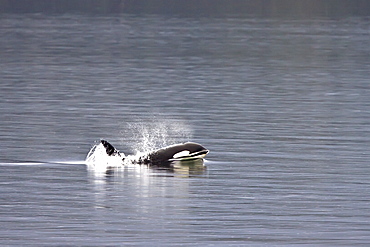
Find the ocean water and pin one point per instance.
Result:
(282, 105)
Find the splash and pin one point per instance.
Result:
(155, 133)
(98, 160)
(142, 138)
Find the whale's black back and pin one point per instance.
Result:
(162, 156)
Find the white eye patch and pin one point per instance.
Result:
(181, 154)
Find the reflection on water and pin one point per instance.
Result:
(189, 168)
(184, 169)
(142, 194)
(145, 182)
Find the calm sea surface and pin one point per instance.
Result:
(283, 106)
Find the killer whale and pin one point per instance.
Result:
(177, 152)
(163, 157)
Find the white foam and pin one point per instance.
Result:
(98, 159)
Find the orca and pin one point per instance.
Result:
(163, 157)
(177, 152)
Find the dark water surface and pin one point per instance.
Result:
(283, 106)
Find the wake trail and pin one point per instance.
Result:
(42, 163)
